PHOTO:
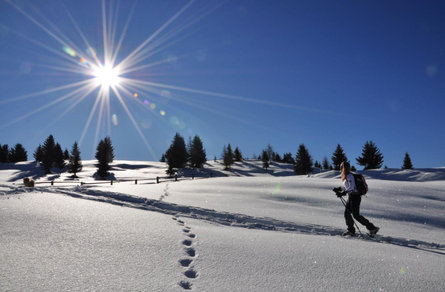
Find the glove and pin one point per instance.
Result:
(340, 194)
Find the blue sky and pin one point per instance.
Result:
(248, 73)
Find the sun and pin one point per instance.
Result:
(106, 76)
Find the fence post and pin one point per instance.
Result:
(176, 177)
(135, 181)
(157, 179)
(52, 182)
(111, 182)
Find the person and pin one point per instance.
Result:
(352, 208)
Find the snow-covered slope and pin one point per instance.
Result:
(240, 230)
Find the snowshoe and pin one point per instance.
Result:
(348, 233)
(374, 231)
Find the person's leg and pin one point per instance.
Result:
(355, 201)
(348, 217)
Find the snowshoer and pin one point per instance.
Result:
(352, 207)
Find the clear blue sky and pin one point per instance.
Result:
(248, 73)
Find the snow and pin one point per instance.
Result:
(240, 230)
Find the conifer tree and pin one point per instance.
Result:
(326, 164)
(38, 154)
(227, 156)
(287, 158)
(177, 153)
(266, 159)
(75, 163)
(18, 153)
(317, 164)
(109, 150)
(270, 152)
(103, 166)
(277, 157)
(197, 153)
(4, 153)
(371, 157)
(48, 154)
(303, 161)
(238, 156)
(407, 164)
(338, 157)
(59, 162)
(66, 154)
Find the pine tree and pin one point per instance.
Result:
(109, 150)
(407, 164)
(59, 162)
(371, 157)
(66, 154)
(317, 164)
(177, 154)
(326, 164)
(303, 161)
(287, 158)
(338, 157)
(48, 154)
(4, 153)
(18, 153)
(238, 155)
(38, 154)
(227, 156)
(277, 157)
(163, 159)
(270, 152)
(266, 159)
(75, 163)
(197, 153)
(103, 166)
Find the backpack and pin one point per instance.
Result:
(360, 184)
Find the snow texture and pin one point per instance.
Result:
(240, 230)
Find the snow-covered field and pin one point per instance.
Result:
(244, 230)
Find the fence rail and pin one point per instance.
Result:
(157, 179)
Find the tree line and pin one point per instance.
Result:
(49, 155)
(179, 155)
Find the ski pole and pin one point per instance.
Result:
(344, 204)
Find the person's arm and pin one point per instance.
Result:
(349, 183)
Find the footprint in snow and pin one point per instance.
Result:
(191, 274)
(185, 285)
(187, 242)
(185, 262)
(190, 251)
(191, 235)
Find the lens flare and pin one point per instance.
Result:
(277, 189)
(69, 51)
(114, 120)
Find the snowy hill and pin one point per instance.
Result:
(240, 230)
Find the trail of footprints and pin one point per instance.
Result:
(190, 255)
(165, 194)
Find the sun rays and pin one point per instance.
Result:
(110, 75)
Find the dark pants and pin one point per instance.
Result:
(353, 207)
